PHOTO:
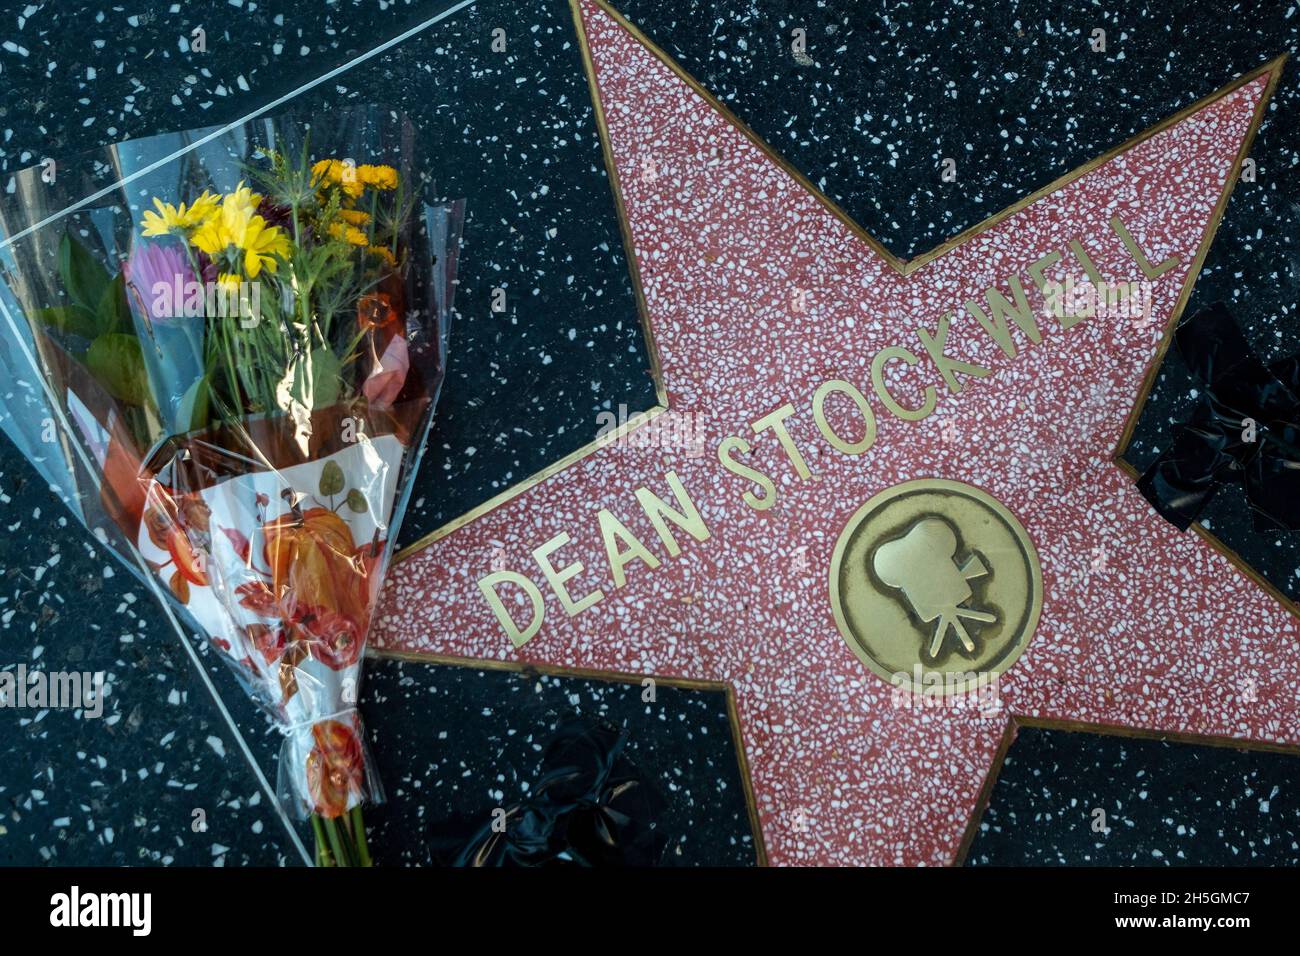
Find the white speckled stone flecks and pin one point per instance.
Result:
(1141, 626)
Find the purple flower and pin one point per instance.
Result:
(275, 214)
(206, 266)
(156, 277)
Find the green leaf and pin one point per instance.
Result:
(70, 318)
(115, 359)
(194, 411)
(84, 279)
(357, 501)
(112, 312)
(317, 382)
(331, 479)
(326, 376)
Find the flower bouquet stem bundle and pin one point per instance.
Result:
(244, 377)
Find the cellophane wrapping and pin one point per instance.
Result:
(226, 362)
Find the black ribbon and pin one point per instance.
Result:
(1242, 399)
(590, 807)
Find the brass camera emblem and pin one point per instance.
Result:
(935, 576)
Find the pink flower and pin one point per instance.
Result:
(389, 374)
(156, 276)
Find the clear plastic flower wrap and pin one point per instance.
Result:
(223, 348)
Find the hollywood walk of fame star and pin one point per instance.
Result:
(758, 292)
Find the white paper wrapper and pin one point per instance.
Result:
(298, 632)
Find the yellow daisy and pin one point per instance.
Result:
(262, 244)
(179, 219)
(243, 197)
(238, 226)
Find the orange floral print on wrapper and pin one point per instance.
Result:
(319, 585)
(335, 768)
(169, 522)
(194, 458)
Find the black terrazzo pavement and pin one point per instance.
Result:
(421, 719)
(1161, 804)
(1009, 89)
(123, 788)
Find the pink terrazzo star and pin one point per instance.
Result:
(757, 294)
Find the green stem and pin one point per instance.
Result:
(232, 367)
(274, 347)
(323, 857)
(194, 267)
(356, 340)
(336, 842)
(304, 169)
(397, 214)
(359, 835)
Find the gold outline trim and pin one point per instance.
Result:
(1212, 228)
(613, 677)
(1009, 732)
(905, 268)
(1233, 558)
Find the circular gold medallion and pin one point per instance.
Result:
(935, 584)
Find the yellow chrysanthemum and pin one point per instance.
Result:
(335, 172)
(181, 219)
(341, 230)
(354, 217)
(323, 171)
(229, 282)
(384, 253)
(380, 177)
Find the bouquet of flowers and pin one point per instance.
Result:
(228, 366)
